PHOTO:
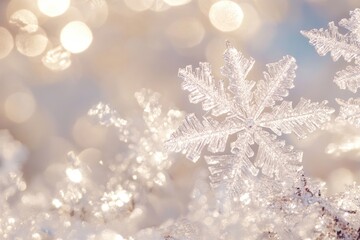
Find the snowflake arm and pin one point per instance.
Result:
(274, 157)
(348, 78)
(236, 69)
(193, 135)
(278, 80)
(330, 40)
(305, 118)
(228, 172)
(203, 88)
(349, 111)
(353, 23)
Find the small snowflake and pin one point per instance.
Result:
(341, 45)
(248, 109)
(348, 46)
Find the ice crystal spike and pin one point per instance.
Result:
(353, 23)
(278, 80)
(272, 153)
(305, 117)
(236, 69)
(229, 171)
(193, 135)
(203, 88)
(348, 78)
(341, 45)
(349, 111)
(330, 40)
(250, 111)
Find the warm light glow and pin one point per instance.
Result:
(115, 199)
(53, 8)
(339, 178)
(177, 2)
(105, 207)
(56, 202)
(160, 179)
(57, 59)
(25, 20)
(31, 44)
(19, 107)
(124, 196)
(76, 37)
(139, 5)
(74, 175)
(186, 33)
(226, 15)
(96, 13)
(6, 42)
(351, 143)
(110, 235)
(88, 134)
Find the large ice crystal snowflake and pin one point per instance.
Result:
(249, 110)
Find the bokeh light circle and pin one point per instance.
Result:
(53, 8)
(76, 37)
(177, 2)
(25, 20)
(19, 107)
(138, 5)
(31, 44)
(6, 42)
(226, 15)
(186, 32)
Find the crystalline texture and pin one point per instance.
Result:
(350, 111)
(341, 45)
(57, 59)
(247, 109)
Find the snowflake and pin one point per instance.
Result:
(249, 110)
(347, 46)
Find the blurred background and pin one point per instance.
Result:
(59, 58)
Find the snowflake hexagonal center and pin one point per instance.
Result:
(250, 123)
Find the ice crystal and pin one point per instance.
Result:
(341, 45)
(249, 110)
(146, 146)
(299, 212)
(57, 59)
(349, 111)
(102, 190)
